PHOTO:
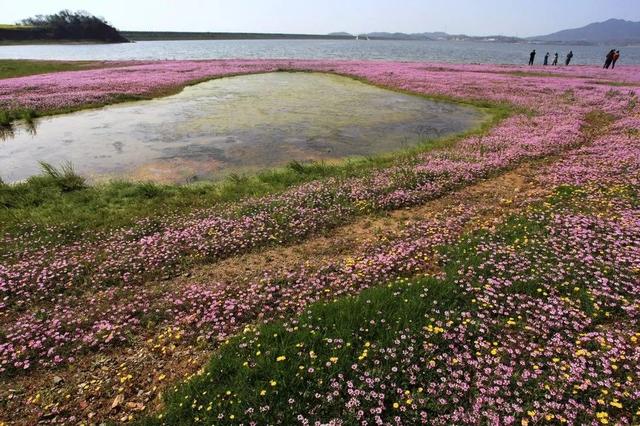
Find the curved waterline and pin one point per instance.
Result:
(236, 124)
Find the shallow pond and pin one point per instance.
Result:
(234, 124)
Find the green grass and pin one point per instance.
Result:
(28, 116)
(39, 203)
(402, 306)
(19, 68)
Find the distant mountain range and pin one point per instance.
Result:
(611, 31)
(617, 31)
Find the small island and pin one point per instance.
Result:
(64, 26)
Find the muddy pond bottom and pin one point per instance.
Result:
(233, 125)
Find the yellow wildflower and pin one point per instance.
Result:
(615, 403)
(603, 417)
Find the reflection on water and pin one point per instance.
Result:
(8, 131)
(233, 124)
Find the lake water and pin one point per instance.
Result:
(440, 51)
(234, 124)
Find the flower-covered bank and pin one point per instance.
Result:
(75, 301)
(535, 323)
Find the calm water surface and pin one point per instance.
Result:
(445, 51)
(233, 124)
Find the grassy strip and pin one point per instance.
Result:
(289, 366)
(10, 68)
(40, 203)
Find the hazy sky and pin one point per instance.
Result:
(473, 17)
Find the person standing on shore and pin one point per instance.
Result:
(609, 59)
(555, 60)
(532, 57)
(569, 57)
(546, 59)
(616, 56)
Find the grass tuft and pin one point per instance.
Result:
(64, 176)
(296, 166)
(7, 117)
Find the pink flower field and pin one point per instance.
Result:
(77, 88)
(543, 328)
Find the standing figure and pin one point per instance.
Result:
(569, 57)
(555, 59)
(609, 59)
(532, 57)
(616, 56)
(546, 59)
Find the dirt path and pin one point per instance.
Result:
(492, 197)
(121, 384)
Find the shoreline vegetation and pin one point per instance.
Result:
(474, 310)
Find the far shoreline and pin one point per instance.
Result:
(274, 37)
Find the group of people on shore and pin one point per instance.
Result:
(567, 61)
(610, 62)
(611, 59)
